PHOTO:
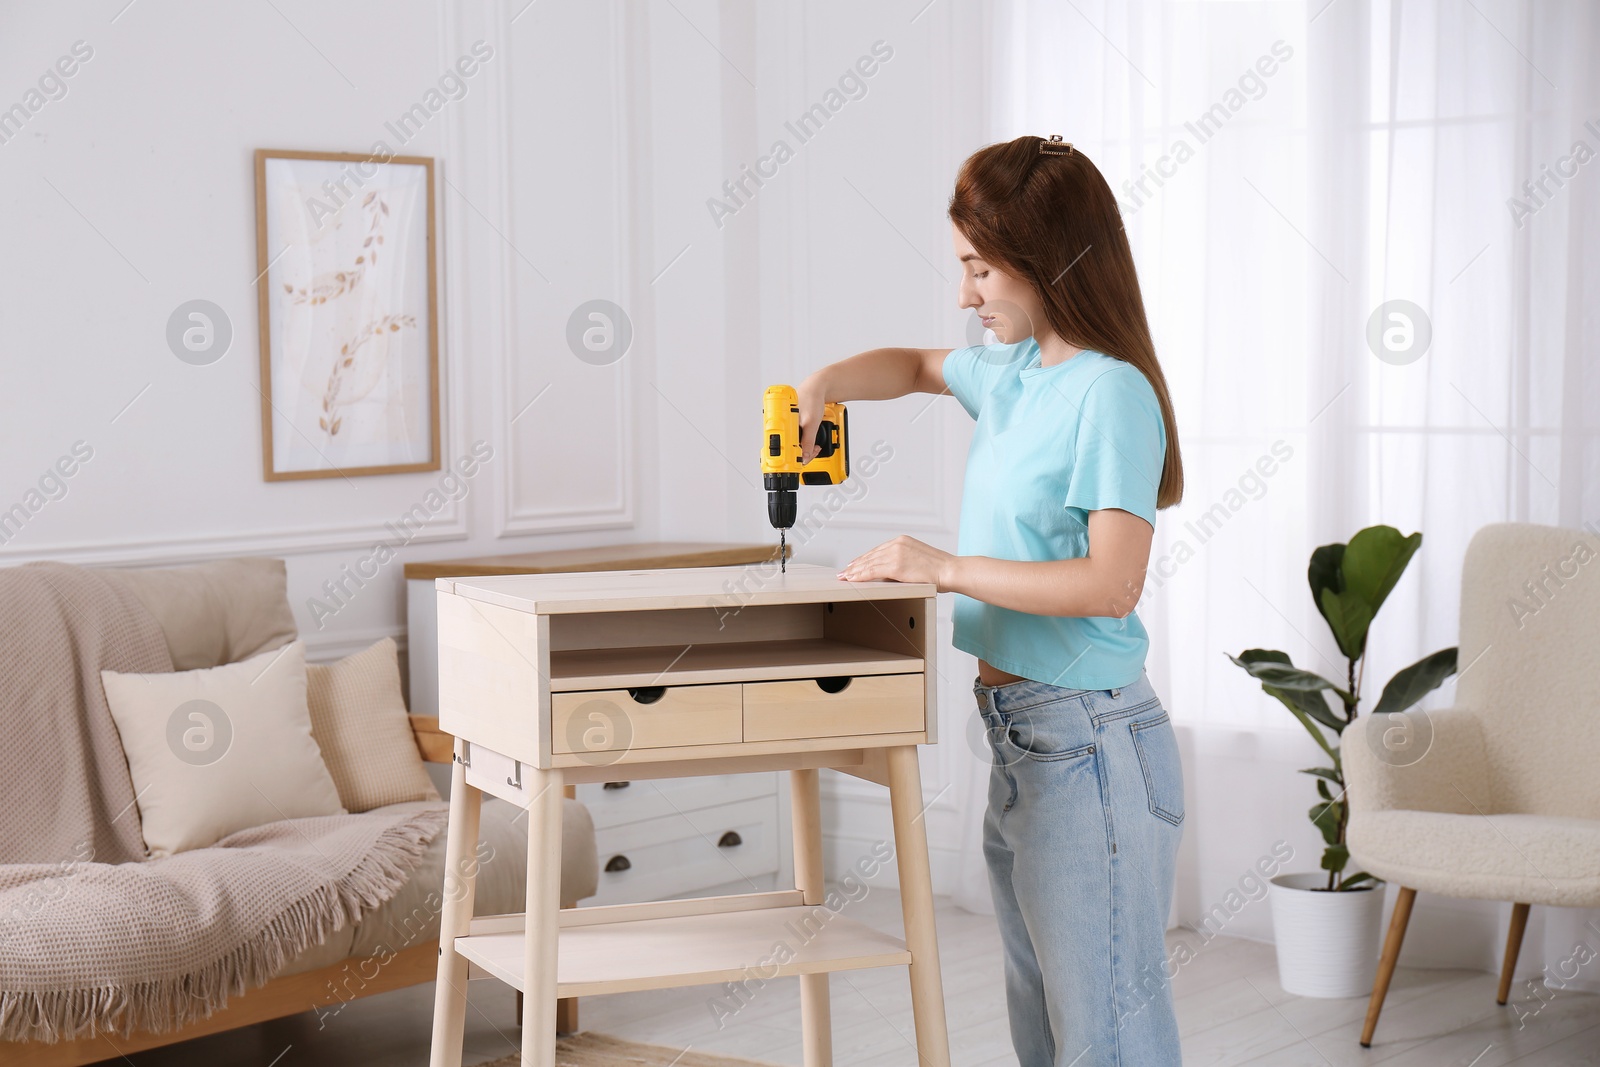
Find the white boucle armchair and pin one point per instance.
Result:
(1503, 801)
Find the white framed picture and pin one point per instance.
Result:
(349, 330)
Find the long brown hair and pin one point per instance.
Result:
(1050, 218)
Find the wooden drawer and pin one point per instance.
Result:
(618, 720)
(684, 852)
(868, 704)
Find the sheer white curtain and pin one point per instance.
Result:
(1285, 169)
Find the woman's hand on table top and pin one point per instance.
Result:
(904, 559)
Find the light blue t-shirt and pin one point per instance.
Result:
(1051, 445)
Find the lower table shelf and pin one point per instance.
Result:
(683, 950)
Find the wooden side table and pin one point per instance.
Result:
(546, 680)
(422, 601)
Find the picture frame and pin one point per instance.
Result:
(347, 295)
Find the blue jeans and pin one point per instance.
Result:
(1081, 839)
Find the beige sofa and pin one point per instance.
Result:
(223, 612)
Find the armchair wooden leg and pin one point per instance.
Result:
(1391, 953)
(1519, 923)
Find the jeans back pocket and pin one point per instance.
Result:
(1157, 746)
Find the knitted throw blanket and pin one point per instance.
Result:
(94, 937)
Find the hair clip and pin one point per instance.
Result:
(1055, 146)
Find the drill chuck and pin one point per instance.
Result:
(781, 500)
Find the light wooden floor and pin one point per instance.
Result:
(1230, 1011)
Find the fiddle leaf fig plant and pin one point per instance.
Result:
(1349, 583)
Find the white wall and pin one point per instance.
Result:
(135, 193)
(578, 165)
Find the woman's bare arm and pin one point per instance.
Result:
(1105, 583)
(877, 374)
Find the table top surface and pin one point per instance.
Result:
(645, 555)
(727, 588)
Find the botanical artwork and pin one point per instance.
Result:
(349, 357)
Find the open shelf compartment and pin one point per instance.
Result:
(693, 646)
(699, 949)
(615, 668)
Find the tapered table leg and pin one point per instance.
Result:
(542, 918)
(816, 1016)
(916, 901)
(460, 881)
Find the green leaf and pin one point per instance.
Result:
(1335, 857)
(1305, 705)
(1322, 790)
(1348, 617)
(1324, 573)
(1350, 582)
(1412, 683)
(1275, 671)
(1326, 817)
(1261, 655)
(1373, 562)
(1350, 880)
(1330, 773)
(1311, 705)
(1292, 701)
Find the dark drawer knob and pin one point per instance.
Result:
(647, 694)
(835, 684)
(617, 863)
(615, 785)
(729, 839)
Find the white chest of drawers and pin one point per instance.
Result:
(660, 838)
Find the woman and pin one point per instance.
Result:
(1074, 450)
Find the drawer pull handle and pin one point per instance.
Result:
(647, 694)
(618, 863)
(615, 785)
(729, 839)
(518, 783)
(835, 684)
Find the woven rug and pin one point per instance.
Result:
(586, 1049)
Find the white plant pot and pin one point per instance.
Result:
(1327, 942)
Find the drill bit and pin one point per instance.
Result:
(783, 555)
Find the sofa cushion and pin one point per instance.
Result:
(218, 750)
(359, 720)
(218, 612)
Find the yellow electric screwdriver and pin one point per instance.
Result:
(781, 469)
